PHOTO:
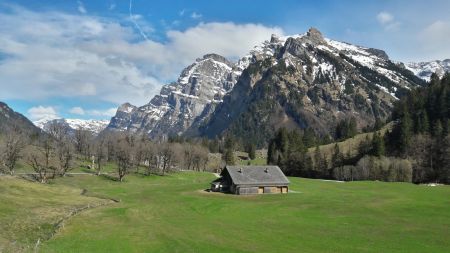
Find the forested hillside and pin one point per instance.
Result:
(414, 148)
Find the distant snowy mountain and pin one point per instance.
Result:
(95, 126)
(425, 69)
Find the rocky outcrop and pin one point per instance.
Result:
(300, 81)
(308, 81)
(190, 100)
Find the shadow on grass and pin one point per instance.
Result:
(210, 191)
(109, 177)
(86, 170)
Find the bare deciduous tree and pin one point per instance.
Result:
(124, 158)
(12, 148)
(84, 142)
(63, 146)
(65, 156)
(100, 153)
(151, 158)
(41, 160)
(169, 154)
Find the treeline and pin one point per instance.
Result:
(58, 152)
(422, 133)
(289, 150)
(225, 146)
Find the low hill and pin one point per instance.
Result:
(349, 147)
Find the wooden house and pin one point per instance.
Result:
(245, 180)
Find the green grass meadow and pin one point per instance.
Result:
(173, 214)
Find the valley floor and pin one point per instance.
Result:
(174, 214)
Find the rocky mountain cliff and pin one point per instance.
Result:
(190, 100)
(297, 81)
(94, 126)
(9, 119)
(425, 69)
(308, 81)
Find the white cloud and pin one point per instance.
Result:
(435, 39)
(93, 112)
(112, 6)
(81, 7)
(77, 110)
(108, 112)
(385, 17)
(52, 54)
(41, 112)
(196, 15)
(387, 20)
(438, 31)
(220, 38)
(182, 12)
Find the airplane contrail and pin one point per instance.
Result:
(136, 24)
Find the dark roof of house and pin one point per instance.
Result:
(256, 175)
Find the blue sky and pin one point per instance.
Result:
(81, 59)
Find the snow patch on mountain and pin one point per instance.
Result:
(192, 98)
(94, 126)
(425, 69)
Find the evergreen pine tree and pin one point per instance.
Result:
(309, 138)
(352, 128)
(434, 79)
(252, 151)
(337, 159)
(308, 166)
(271, 150)
(438, 130)
(317, 158)
(377, 145)
(228, 156)
(405, 132)
(364, 146)
(282, 141)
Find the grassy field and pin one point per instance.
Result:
(30, 211)
(174, 214)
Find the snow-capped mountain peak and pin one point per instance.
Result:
(425, 69)
(95, 126)
(199, 88)
(316, 60)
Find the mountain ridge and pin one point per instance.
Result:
(10, 119)
(200, 87)
(168, 112)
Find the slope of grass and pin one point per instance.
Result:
(173, 214)
(349, 147)
(31, 211)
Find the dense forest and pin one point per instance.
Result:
(416, 149)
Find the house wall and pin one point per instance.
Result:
(247, 190)
(243, 190)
